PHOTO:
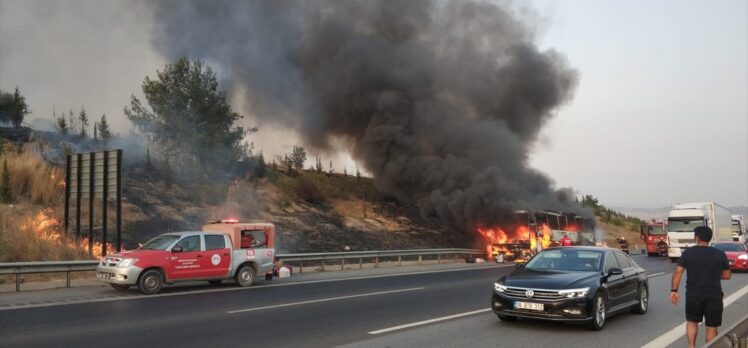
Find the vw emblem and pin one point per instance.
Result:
(529, 293)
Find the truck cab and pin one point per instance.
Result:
(683, 218)
(222, 251)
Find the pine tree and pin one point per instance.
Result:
(168, 174)
(106, 133)
(96, 131)
(148, 163)
(261, 167)
(84, 122)
(331, 169)
(5, 193)
(61, 122)
(318, 165)
(72, 122)
(19, 109)
(345, 171)
(358, 174)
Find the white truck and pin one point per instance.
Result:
(738, 228)
(683, 218)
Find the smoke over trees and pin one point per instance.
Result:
(440, 101)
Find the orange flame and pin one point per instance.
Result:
(492, 236)
(47, 227)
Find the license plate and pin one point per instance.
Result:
(105, 276)
(528, 305)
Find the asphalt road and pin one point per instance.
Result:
(362, 312)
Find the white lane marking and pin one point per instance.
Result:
(322, 300)
(655, 275)
(679, 331)
(135, 297)
(405, 326)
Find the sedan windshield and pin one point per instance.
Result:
(566, 260)
(160, 242)
(729, 246)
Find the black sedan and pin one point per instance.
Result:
(572, 284)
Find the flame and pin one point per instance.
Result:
(47, 228)
(497, 239)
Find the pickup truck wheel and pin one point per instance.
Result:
(120, 287)
(150, 282)
(215, 282)
(246, 276)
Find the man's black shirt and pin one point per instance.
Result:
(704, 266)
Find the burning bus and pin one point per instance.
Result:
(530, 232)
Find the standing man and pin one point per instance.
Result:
(705, 266)
(565, 240)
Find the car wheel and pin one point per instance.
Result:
(507, 318)
(643, 304)
(215, 281)
(150, 282)
(246, 276)
(120, 287)
(599, 313)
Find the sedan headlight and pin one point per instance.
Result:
(499, 287)
(127, 262)
(743, 257)
(574, 293)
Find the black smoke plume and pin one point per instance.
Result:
(440, 101)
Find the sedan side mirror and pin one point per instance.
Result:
(615, 271)
(176, 249)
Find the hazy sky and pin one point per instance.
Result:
(660, 114)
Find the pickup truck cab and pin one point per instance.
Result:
(222, 251)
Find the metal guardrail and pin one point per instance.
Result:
(376, 256)
(68, 267)
(734, 337)
(19, 268)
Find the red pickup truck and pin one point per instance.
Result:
(222, 250)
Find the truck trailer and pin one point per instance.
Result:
(683, 218)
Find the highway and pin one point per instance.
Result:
(431, 307)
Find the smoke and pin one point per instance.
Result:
(440, 101)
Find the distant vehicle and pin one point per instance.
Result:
(738, 228)
(624, 244)
(737, 254)
(223, 250)
(572, 284)
(683, 218)
(654, 235)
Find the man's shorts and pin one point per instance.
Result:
(700, 307)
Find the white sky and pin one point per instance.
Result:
(660, 114)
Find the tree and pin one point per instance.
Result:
(261, 169)
(331, 168)
(358, 174)
(187, 117)
(318, 165)
(298, 157)
(106, 133)
(5, 193)
(96, 131)
(6, 106)
(83, 117)
(72, 122)
(62, 124)
(345, 171)
(13, 108)
(148, 163)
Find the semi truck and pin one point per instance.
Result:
(738, 228)
(683, 218)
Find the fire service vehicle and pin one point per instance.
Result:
(654, 235)
(223, 250)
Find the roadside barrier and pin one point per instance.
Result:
(734, 337)
(291, 260)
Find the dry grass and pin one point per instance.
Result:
(32, 179)
(30, 234)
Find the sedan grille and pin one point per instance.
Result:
(110, 261)
(541, 295)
